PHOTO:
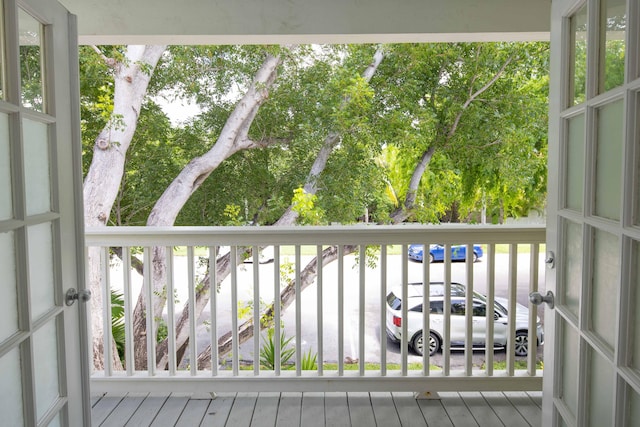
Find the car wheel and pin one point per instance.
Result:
(522, 343)
(418, 343)
(431, 259)
(475, 257)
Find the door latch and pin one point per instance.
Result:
(73, 295)
(537, 298)
(550, 260)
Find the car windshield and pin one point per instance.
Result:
(497, 305)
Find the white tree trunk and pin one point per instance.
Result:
(233, 138)
(105, 173)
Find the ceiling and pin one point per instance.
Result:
(308, 21)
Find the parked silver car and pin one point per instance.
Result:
(458, 323)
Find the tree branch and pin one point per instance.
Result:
(111, 63)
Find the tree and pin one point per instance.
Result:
(449, 106)
(132, 71)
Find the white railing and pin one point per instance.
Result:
(340, 318)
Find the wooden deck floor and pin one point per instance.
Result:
(318, 409)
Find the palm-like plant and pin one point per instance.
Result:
(268, 350)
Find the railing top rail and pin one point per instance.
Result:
(315, 235)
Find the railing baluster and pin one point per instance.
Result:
(468, 342)
(298, 312)
(256, 310)
(340, 310)
(171, 327)
(276, 310)
(512, 289)
(234, 311)
(361, 307)
(383, 310)
(533, 310)
(404, 341)
(491, 293)
(320, 310)
(426, 309)
(106, 307)
(151, 337)
(213, 307)
(128, 310)
(446, 308)
(193, 338)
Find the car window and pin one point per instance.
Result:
(393, 301)
(457, 307)
(436, 307)
(479, 309)
(417, 308)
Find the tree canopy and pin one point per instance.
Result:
(489, 151)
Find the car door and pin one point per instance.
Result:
(458, 322)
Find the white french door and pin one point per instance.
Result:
(592, 356)
(43, 357)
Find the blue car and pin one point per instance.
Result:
(436, 253)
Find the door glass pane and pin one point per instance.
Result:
(55, 422)
(11, 389)
(575, 163)
(614, 14)
(636, 167)
(36, 167)
(601, 387)
(6, 205)
(31, 61)
(572, 253)
(609, 160)
(45, 365)
(633, 406)
(569, 369)
(578, 64)
(9, 300)
(605, 284)
(41, 279)
(635, 285)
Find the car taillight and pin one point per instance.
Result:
(397, 321)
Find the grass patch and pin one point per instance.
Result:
(519, 364)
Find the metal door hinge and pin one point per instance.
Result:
(73, 295)
(550, 260)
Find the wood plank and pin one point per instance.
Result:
(219, 410)
(360, 409)
(95, 398)
(536, 396)
(336, 409)
(456, 409)
(242, 410)
(312, 410)
(480, 409)
(193, 413)
(408, 409)
(526, 406)
(125, 410)
(266, 410)
(505, 410)
(289, 410)
(148, 409)
(170, 411)
(384, 409)
(434, 413)
(103, 408)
